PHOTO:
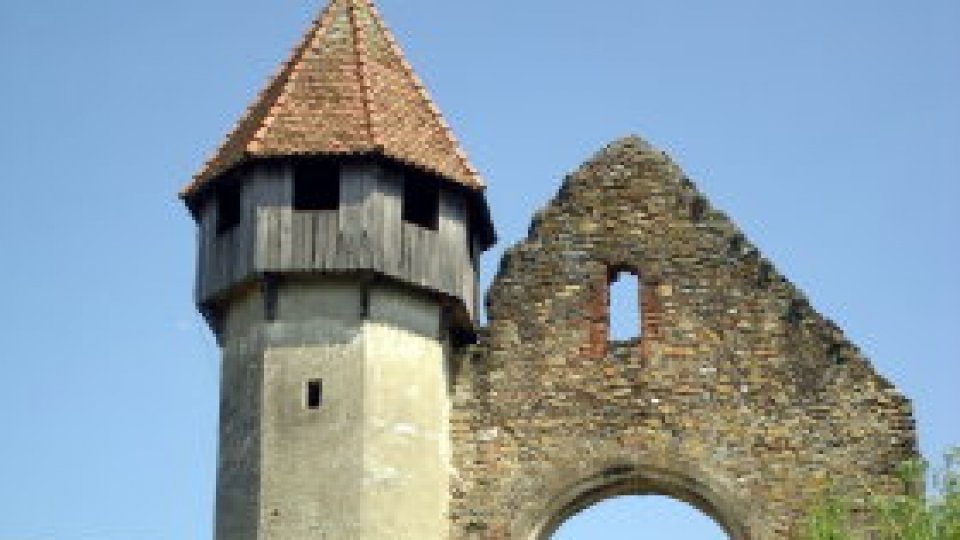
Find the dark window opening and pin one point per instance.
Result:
(316, 185)
(314, 393)
(421, 200)
(624, 306)
(229, 207)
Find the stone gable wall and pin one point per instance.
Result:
(737, 397)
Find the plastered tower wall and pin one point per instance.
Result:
(737, 397)
(372, 461)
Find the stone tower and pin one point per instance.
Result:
(339, 231)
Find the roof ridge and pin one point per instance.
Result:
(292, 66)
(363, 74)
(422, 90)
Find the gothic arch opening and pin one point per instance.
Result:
(638, 517)
(630, 480)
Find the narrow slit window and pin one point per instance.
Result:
(314, 393)
(625, 306)
(316, 185)
(421, 200)
(229, 208)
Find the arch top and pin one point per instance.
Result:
(617, 479)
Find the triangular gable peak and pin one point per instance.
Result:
(346, 90)
(733, 393)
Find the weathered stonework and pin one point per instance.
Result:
(737, 398)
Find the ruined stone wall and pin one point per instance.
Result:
(737, 397)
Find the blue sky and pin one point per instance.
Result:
(829, 131)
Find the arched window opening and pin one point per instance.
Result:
(639, 517)
(624, 306)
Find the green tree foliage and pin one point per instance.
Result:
(933, 516)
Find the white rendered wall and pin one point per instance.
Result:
(373, 461)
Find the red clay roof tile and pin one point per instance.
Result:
(346, 89)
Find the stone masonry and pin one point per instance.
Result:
(737, 397)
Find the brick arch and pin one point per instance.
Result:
(740, 399)
(684, 483)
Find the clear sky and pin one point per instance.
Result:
(829, 131)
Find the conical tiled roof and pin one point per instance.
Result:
(345, 90)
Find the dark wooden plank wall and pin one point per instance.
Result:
(227, 258)
(366, 233)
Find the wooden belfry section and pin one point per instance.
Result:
(346, 116)
(340, 229)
